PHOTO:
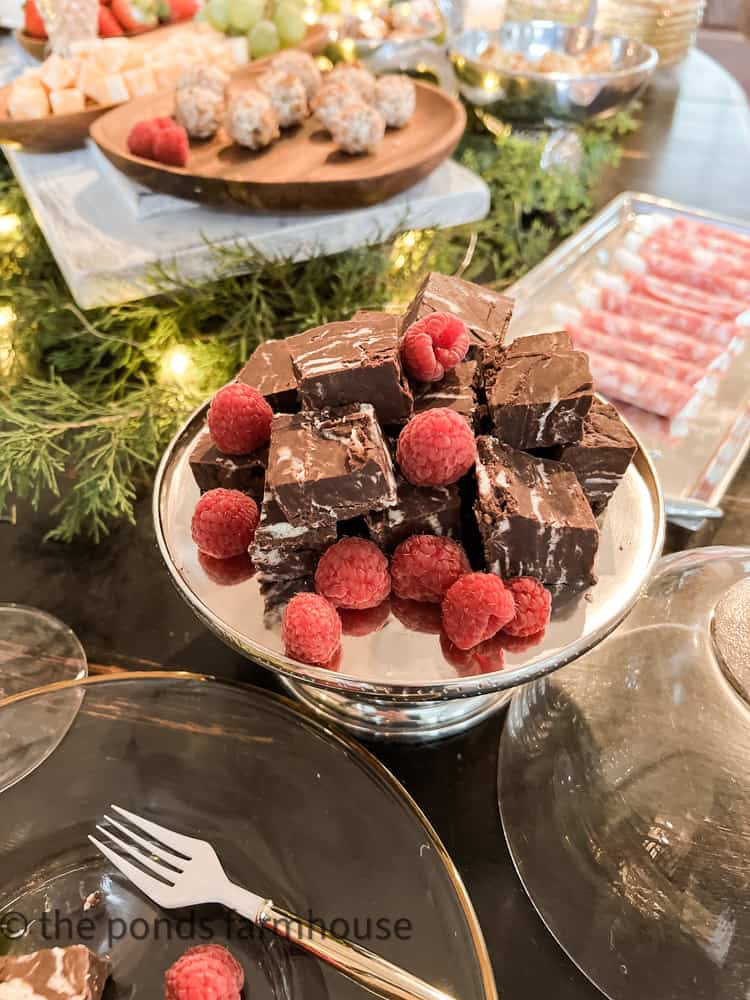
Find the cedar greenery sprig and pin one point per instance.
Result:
(88, 401)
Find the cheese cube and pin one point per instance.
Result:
(140, 82)
(237, 45)
(66, 102)
(58, 73)
(28, 102)
(112, 55)
(111, 90)
(90, 79)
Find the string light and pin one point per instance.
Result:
(176, 364)
(7, 352)
(9, 224)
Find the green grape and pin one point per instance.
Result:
(290, 22)
(244, 14)
(263, 39)
(217, 14)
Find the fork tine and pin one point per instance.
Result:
(176, 841)
(149, 846)
(157, 867)
(150, 886)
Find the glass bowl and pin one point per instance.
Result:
(624, 790)
(295, 812)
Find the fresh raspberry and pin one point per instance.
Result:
(171, 146)
(519, 643)
(363, 621)
(141, 139)
(484, 658)
(533, 603)
(311, 629)
(476, 607)
(436, 448)
(208, 972)
(353, 573)
(434, 344)
(227, 572)
(239, 419)
(417, 615)
(142, 135)
(224, 523)
(424, 566)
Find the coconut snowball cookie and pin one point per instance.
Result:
(287, 95)
(303, 66)
(360, 80)
(208, 77)
(199, 111)
(395, 99)
(330, 101)
(359, 128)
(251, 120)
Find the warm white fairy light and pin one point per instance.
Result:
(7, 352)
(176, 365)
(9, 224)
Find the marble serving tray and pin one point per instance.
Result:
(110, 236)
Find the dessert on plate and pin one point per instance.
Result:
(421, 454)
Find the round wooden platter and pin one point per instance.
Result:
(51, 134)
(55, 133)
(314, 41)
(302, 171)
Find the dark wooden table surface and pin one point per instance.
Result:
(694, 147)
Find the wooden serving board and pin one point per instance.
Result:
(302, 171)
(314, 41)
(55, 133)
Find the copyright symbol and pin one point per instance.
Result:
(13, 925)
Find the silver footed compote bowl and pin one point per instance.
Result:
(625, 796)
(397, 681)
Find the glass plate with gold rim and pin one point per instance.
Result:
(295, 812)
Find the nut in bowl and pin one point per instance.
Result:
(537, 71)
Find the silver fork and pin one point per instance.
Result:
(188, 872)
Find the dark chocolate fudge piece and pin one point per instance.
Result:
(419, 510)
(534, 517)
(538, 391)
(54, 973)
(455, 390)
(353, 361)
(213, 469)
(602, 456)
(485, 313)
(283, 550)
(330, 464)
(270, 371)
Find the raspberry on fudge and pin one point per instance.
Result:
(475, 608)
(353, 573)
(423, 567)
(533, 603)
(434, 344)
(311, 629)
(224, 523)
(436, 448)
(239, 419)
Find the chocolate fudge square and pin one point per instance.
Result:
(455, 390)
(602, 456)
(269, 370)
(485, 313)
(72, 972)
(419, 510)
(329, 464)
(538, 391)
(533, 517)
(351, 361)
(213, 469)
(282, 550)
